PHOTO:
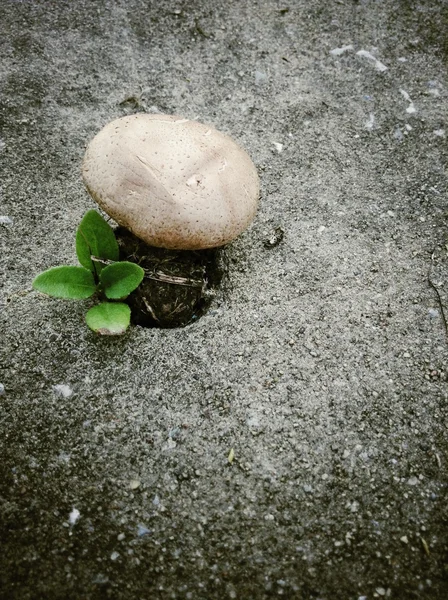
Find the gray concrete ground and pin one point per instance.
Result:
(322, 362)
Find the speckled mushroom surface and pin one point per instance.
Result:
(173, 182)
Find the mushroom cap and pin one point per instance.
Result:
(174, 183)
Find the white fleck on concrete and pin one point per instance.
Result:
(278, 147)
(260, 77)
(63, 390)
(369, 124)
(142, 531)
(74, 516)
(341, 50)
(379, 66)
(411, 108)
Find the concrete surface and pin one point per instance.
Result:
(322, 362)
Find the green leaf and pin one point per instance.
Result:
(120, 279)
(66, 282)
(95, 237)
(109, 318)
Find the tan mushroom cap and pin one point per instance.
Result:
(174, 183)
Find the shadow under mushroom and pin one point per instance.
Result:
(178, 286)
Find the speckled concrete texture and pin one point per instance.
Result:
(321, 364)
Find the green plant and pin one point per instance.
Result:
(100, 273)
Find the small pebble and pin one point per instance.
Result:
(4, 220)
(134, 484)
(412, 481)
(380, 591)
(2, 389)
(120, 537)
(404, 539)
(114, 556)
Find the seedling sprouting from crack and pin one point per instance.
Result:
(101, 273)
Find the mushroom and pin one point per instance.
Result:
(174, 183)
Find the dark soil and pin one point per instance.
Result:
(178, 287)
